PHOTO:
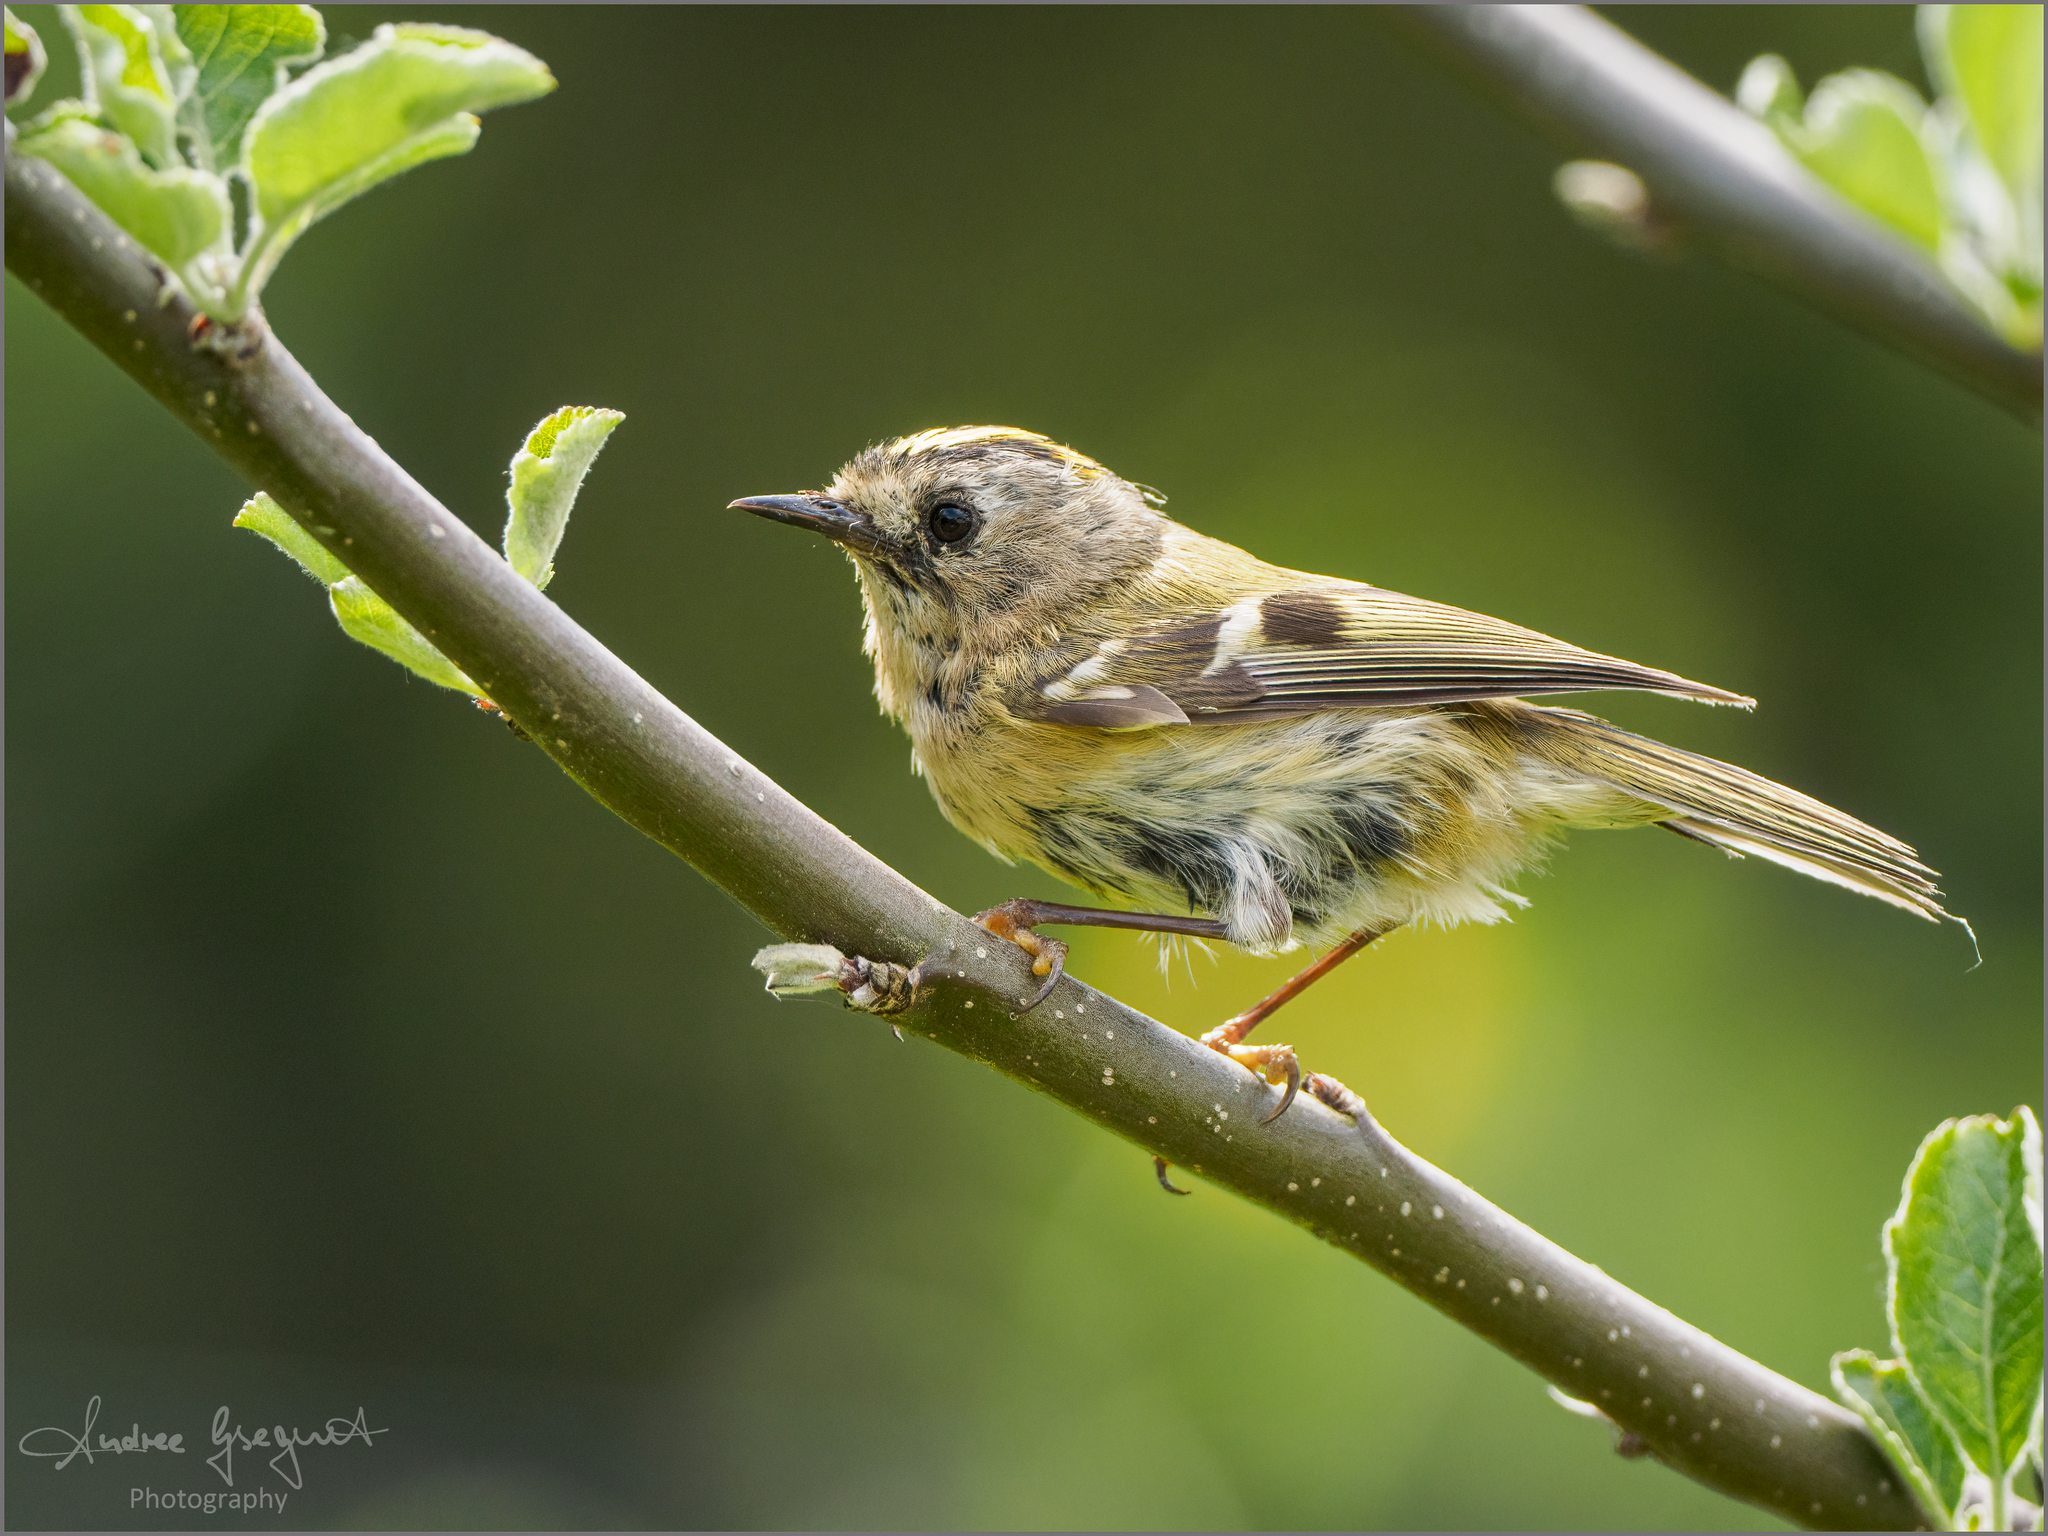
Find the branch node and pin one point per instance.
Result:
(1341, 1099)
(873, 986)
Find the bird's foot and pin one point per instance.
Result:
(1012, 921)
(1275, 1063)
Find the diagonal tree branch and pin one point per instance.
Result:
(1698, 1406)
(1725, 175)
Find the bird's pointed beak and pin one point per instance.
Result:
(837, 521)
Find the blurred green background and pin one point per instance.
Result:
(355, 1057)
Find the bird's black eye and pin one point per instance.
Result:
(950, 524)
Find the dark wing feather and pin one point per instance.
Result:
(1344, 647)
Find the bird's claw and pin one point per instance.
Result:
(1293, 1066)
(1159, 1166)
(1048, 956)
(1274, 1063)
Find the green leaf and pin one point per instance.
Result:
(240, 52)
(179, 69)
(125, 76)
(1883, 1394)
(1769, 90)
(546, 474)
(1964, 1294)
(1989, 57)
(178, 214)
(260, 514)
(25, 59)
(367, 617)
(400, 100)
(453, 137)
(1861, 135)
(362, 614)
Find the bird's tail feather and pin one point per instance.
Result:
(1741, 812)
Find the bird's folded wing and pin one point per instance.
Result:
(1331, 647)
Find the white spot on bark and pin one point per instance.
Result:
(1514, 1287)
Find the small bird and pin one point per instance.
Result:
(1167, 721)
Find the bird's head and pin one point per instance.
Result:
(977, 531)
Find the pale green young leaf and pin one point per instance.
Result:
(177, 214)
(179, 69)
(240, 52)
(547, 472)
(125, 76)
(260, 514)
(25, 59)
(1861, 134)
(367, 617)
(1769, 90)
(454, 136)
(1964, 1293)
(1989, 57)
(1883, 1395)
(402, 99)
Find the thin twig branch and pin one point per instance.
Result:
(1697, 1405)
(1725, 175)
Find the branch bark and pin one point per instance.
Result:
(1725, 175)
(1698, 1406)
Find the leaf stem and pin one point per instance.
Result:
(1700, 1407)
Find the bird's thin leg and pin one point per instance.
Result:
(1267, 1060)
(1013, 920)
